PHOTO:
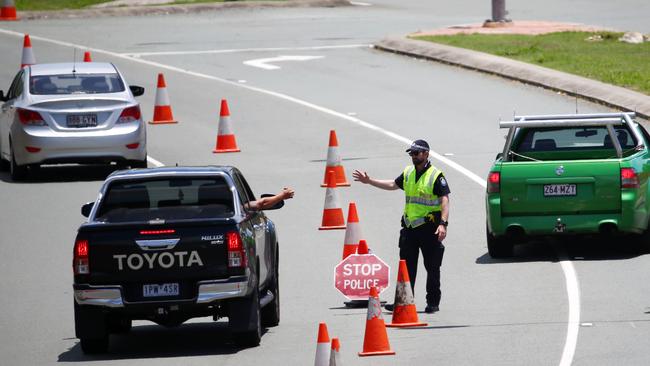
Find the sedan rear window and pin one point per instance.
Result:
(75, 84)
(166, 199)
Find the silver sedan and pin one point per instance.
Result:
(70, 113)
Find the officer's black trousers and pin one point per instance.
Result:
(423, 238)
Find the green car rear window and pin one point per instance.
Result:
(579, 142)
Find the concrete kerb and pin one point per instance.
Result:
(175, 9)
(595, 91)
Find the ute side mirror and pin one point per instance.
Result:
(85, 209)
(277, 205)
(136, 90)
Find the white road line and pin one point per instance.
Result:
(264, 63)
(154, 162)
(240, 50)
(573, 290)
(357, 3)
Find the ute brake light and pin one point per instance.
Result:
(80, 262)
(157, 232)
(629, 178)
(130, 114)
(236, 252)
(29, 117)
(494, 182)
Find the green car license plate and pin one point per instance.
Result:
(552, 190)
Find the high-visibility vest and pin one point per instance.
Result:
(420, 199)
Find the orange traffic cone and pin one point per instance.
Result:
(322, 345)
(352, 231)
(332, 214)
(8, 10)
(335, 356)
(375, 341)
(334, 163)
(28, 53)
(87, 57)
(404, 313)
(225, 137)
(362, 248)
(162, 111)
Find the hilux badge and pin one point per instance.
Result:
(559, 170)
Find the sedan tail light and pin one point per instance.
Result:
(236, 252)
(494, 182)
(629, 178)
(29, 117)
(80, 263)
(130, 114)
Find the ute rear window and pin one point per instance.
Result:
(75, 84)
(573, 139)
(166, 199)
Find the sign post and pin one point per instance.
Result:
(357, 273)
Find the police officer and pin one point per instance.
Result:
(424, 222)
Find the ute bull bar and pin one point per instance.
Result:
(575, 120)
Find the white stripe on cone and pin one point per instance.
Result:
(322, 354)
(162, 98)
(28, 56)
(331, 199)
(333, 157)
(224, 126)
(352, 233)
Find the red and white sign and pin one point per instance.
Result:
(357, 273)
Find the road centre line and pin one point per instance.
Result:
(568, 269)
(239, 50)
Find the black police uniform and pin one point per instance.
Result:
(423, 237)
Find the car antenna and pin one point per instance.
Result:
(74, 61)
(576, 95)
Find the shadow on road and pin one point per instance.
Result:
(573, 248)
(64, 173)
(154, 341)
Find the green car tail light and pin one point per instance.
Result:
(494, 182)
(629, 178)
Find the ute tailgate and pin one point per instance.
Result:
(560, 187)
(137, 256)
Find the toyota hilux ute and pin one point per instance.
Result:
(170, 244)
(582, 174)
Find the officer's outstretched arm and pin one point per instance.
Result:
(364, 178)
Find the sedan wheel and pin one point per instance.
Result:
(18, 172)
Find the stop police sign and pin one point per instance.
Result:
(357, 273)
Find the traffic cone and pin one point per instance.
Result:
(375, 341)
(87, 57)
(162, 111)
(335, 356)
(8, 10)
(332, 213)
(362, 248)
(404, 313)
(352, 231)
(225, 137)
(322, 345)
(28, 53)
(334, 163)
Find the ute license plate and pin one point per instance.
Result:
(158, 290)
(81, 120)
(551, 190)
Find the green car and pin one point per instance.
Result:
(579, 174)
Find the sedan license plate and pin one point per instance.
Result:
(551, 190)
(81, 120)
(157, 290)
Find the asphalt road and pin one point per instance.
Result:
(493, 312)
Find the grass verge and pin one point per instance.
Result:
(55, 4)
(605, 59)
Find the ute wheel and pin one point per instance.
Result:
(91, 328)
(271, 312)
(249, 315)
(18, 172)
(4, 165)
(498, 246)
(92, 346)
(644, 240)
